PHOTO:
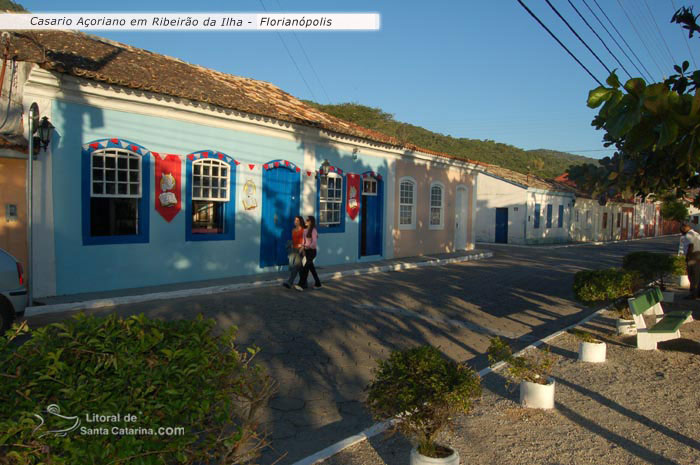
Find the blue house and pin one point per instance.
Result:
(162, 172)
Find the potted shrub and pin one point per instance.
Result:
(422, 389)
(624, 324)
(653, 268)
(531, 371)
(679, 271)
(590, 349)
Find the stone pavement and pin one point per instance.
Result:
(321, 345)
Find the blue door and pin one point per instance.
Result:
(502, 225)
(371, 220)
(280, 204)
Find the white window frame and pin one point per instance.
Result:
(440, 225)
(373, 181)
(327, 200)
(116, 154)
(211, 164)
(413, 204)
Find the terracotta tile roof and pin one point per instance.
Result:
(98, 59)
(532, 181)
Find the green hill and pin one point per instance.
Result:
(552, 163)
(9, 5)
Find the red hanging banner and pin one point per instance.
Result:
(353, 203)
(168, 189)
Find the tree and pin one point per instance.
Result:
(655, 129)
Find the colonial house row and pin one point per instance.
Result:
(516, 208)
(160, 172)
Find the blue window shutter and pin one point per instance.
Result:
(560, 220)
(537, 216)
(549, 215)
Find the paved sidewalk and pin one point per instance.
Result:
(94, 300)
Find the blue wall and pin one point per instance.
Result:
(168, 257)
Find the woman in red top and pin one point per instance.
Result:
(295, 252)
(310, 246)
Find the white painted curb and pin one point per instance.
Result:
(132, 299)
(377, 428)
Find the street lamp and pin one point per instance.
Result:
(44, 129)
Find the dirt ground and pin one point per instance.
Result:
(639, 407)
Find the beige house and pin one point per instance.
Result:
(434, 204)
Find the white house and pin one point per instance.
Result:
(515, 208)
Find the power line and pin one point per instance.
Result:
(646, 27)
(578, 36)
(624, 41)
(292, 58)
(309, 61)
(685, 38)
(559, 42)
(599, 38)
(640, 36)
(673, 60)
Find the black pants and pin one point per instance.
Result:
(694, 273)
(310, 254)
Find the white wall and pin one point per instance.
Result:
(495, 193)
(543, 234)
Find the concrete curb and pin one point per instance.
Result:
(578, 244)
(378, 428)
(132, 299)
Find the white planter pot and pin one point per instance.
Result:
(625, 327)
(668, 296)
(682, 281)
(418, 459)
(592, 352)
(533, 395)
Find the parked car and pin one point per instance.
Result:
(13, 292)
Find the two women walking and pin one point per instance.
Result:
(302, 253)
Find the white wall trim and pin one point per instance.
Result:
(440, 226)
(415, 203)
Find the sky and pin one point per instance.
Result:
(477, 69)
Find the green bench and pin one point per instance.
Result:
(666, 326)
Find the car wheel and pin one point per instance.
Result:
(7, 315)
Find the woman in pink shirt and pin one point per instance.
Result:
(310, 241)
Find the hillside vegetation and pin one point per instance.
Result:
(542, 162)
(9, 5)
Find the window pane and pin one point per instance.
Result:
(97, 188)
(322, 216)
(122, 176)
(205, 170)
(122, 189)
(215, 193)
(97, 174)
(223, 182)
(197, 181)
(205, 193)
(122, 163)
(111, 176)
(205, 181)
(215, 171)
(134, 189)
(109, 162)
(113, 216)
(207, 217)
(197, 169)
(196, 192)
(215, 182)
(223, 193)
(134, 163)
(110, 189)
(224, 172)
(97, 161)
